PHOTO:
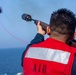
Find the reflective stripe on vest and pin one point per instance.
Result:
(48, 54)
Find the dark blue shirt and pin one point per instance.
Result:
(39, 38)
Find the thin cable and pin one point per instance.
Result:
(13, 35)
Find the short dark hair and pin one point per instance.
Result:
(63, 21)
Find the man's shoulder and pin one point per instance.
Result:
(38, 44)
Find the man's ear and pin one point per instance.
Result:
(48, 31)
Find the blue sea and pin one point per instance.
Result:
(10, 61)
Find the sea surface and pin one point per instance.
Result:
(10, 61)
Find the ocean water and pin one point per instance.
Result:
(10, 61)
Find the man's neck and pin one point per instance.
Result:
(60, 38)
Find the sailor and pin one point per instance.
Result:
(52, 56)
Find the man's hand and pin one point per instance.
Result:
(40, 30)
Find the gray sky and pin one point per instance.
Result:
(15, 32)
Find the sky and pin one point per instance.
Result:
(16, 32)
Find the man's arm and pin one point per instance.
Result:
(74, 67)
(38, 38)
(73, 44)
